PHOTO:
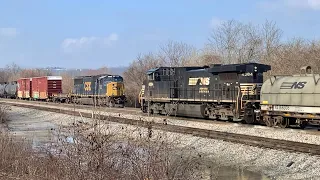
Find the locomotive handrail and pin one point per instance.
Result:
(308, 70)
(275, 78)
(314, 78)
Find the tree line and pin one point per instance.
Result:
(230, 42)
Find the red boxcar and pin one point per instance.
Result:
(46, 87)
(24, 88)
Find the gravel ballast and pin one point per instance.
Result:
(272, 163)
(254, 130)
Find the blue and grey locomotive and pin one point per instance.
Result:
(227, 92)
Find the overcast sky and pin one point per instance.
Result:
(81, 34)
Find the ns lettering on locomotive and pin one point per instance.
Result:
(226, 92)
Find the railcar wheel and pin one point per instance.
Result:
(268, 121)
(111, 104)
(303, 124)
(283, 122)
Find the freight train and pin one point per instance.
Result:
(104, 89)
(234, 92)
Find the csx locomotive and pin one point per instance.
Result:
(103, 89)
(234, 92)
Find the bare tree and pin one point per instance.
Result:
(11, 72)
(292, 55)
(225, 40)
(204, 57)
(271, 36)
(25, 73)
(176, 53)
(236, 42)
(67, 83)
(136, 73)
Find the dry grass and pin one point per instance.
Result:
(3, 113)
(100, 152)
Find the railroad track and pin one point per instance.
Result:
(137, 111)
(262, 142)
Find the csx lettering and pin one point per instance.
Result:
(298, 85)
(87, 86)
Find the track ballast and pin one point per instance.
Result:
(255, 141)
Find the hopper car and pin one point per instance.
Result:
(291, 99)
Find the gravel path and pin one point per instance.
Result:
(272, 163)
(262, 131)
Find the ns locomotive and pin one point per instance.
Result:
(234, 92)
(226, 92)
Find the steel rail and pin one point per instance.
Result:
(255, 141)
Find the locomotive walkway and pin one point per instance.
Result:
(256, 141)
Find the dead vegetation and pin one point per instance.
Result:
(98, 150)
(3, 113)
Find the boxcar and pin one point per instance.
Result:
(47, 87)
(24, 88)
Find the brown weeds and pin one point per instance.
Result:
(98, 150)
(3, 113)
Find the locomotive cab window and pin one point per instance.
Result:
(151, 77)
(117, 79)
(172, 72)
(157, 76)
(165, 72)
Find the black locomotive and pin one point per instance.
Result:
(227, 92)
